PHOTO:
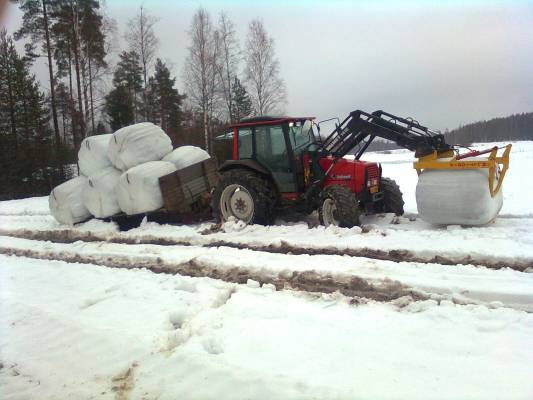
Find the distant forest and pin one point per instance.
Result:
(514, 127)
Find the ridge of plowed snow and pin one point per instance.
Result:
(512, 288)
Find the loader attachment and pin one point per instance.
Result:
(461, 189)
(448, 161)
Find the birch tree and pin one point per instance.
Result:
(201, 69)
(266, 88)
(230, 56)
(142, 40)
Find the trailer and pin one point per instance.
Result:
(186, 197)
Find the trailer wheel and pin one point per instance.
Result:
(339, 207)
(392, 197)
(244, 195)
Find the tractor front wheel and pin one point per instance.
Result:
(392, 197)
(339, 207)
(244, 195)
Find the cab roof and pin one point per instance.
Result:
(267, 120)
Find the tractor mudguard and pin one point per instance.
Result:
(246, 164)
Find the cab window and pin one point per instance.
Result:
(300, 135)
(245, 143)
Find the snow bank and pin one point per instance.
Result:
(138, 189)
(92, 156)
(457, 197)
(66, 202)
(99, 193)
(186, 155)
(137, 144)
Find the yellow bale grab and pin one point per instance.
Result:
(497, 165)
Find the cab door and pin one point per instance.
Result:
(271, 151)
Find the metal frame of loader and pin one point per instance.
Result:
(429, 146)
(360, 128)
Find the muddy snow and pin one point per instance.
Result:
(395, 309)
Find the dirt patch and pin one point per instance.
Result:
(308, 281)
(397, 255)
(123, 383)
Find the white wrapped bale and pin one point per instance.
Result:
(99, 193)
(138, 189)
(137, 144)
(457, 197)
(186, 155)
(66, 203)
(92, 156)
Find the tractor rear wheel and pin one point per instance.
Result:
(392, 197)
(339, 207)
(244, 195)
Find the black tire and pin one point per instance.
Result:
(260, 189)
(347, 210)
(392, 197)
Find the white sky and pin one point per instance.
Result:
(445, 63)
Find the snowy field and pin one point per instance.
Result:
(398, 309)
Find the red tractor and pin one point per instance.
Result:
(283, 162)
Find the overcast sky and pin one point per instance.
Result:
(445, 63)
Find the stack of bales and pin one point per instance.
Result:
(120, 173)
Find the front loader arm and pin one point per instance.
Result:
(361, 127)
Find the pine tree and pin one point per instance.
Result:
(242, 104)
(128, 74)
(164, 100)
(26, 141)
(119, 107)
(36, 24)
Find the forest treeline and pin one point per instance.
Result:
(92, 87)
(513, 127)
(101, 77)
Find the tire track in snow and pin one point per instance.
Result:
(351, 286)
(396, 255)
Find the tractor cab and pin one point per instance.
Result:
(278, 161)
(272, 146)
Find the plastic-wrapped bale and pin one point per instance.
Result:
(66, 203)
(185, 156)
(137, 144)
(92, 156)
(138, 188)
(457, 197)
(99, 194)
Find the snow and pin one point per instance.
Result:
(29, 206)
(73, 327)
(80, 339)
(472, 284)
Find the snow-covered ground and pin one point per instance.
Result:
(73, 327)
(82, 331)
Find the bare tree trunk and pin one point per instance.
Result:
(206, 132)
(91, 94)
(11, 103)
(75, 28)
(72, 107)
(85, 89)
(51, 74)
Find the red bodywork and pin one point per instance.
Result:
(357, 175)
(354, 174)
